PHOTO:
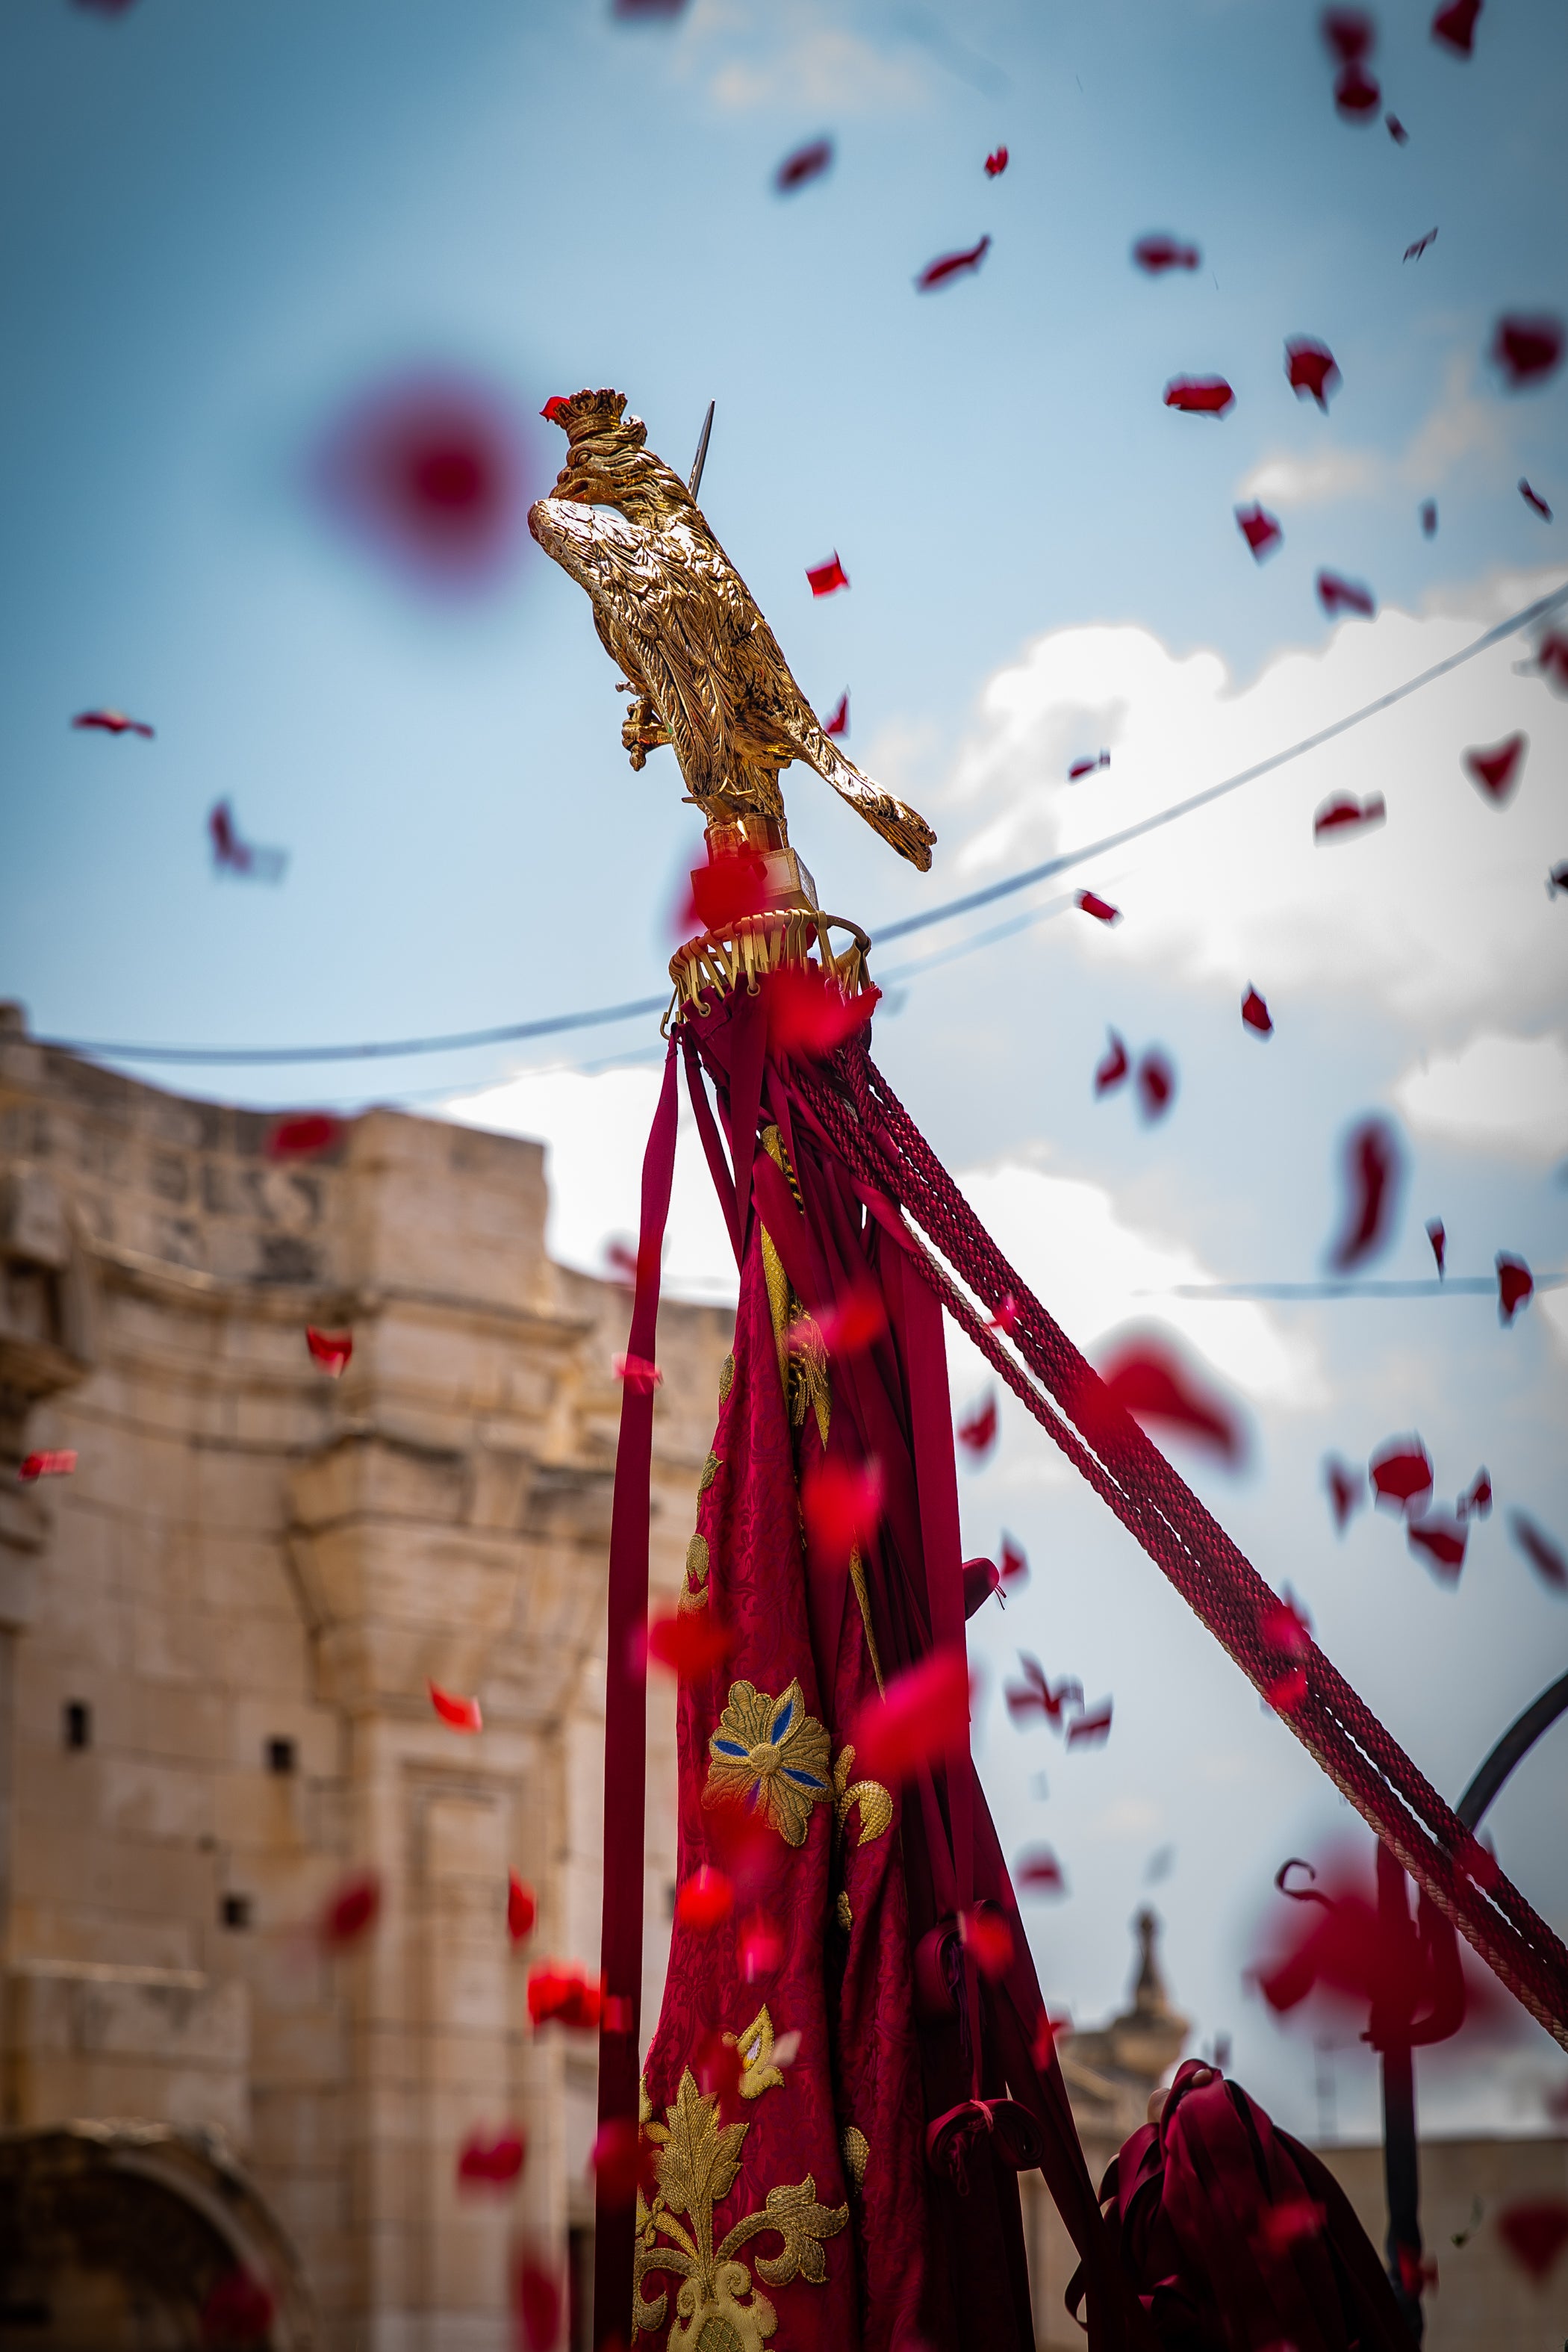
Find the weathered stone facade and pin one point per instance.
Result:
(241, 1592)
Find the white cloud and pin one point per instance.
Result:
(594, 1128)
(796, 55)
(1075, 1251)
(1509, 1093)
(1441, 914)
(1290, 480)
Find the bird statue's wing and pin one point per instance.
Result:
(904, 828)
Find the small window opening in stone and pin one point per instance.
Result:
(237, 1910)
(280, 1756)
(77, 1723)
(669, 1895)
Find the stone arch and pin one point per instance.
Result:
(127, 2237)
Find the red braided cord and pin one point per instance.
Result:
(870, 1129)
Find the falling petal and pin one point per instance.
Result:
(351, 1911)
(330, 1350)
(809, 1016)
(842, 1504)
(952, 265)
(1255, 1012)
(58, 1464)
(996, 162)
(978, 1432)
(1199, 396)
(1312, 371)
(457, 1713)
(1527, 350)
(1515, 1283)
(1343, 814)
(922, 1713)
(1091, 1730)
(1156, 254)
(1455, 26)
(305, 1135)
(1546, 1556)
(521, 1908)
(1151, 1377)
(824, 578)
(1347, 1490)
(806, 163)
(1339, 596)
(1401, 1473)
(1037, 1872)
(1262, 531)
(1100, 908)
(1372, 1178)
(1496, 771)
(838, 723)
(1443, 1540)
(112, 722)
(1437, 1235)
(1156, 1083)
(1533, 498)
(705, 1901)
(1113, 1069)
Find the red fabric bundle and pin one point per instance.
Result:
(1237, 2238)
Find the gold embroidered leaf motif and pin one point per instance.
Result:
(856, 2154)
(755, 2045)
(726, 1378)
(876, 1804)
(842, 1912)
(697, 2164)
(710, 1469)
(802, 2223)
(770, 1755)
(696, 1560)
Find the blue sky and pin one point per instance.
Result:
(219, 228)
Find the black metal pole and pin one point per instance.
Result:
(1401, 2159)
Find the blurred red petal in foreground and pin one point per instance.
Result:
(837, 723)
(1534, 2231)
(978, 1432)
(1356, 95)
(803, 165)
(996, 162)
(1110, 1072)
(923, 1712)
(1311, 370)
(541, 2304)
(1527, 350)
(1156, 254)
(824, 578)
(1337, 594)
(809, 1015)
(949, 266)
(1401, 1473)
(1048, 2031)
(484, 2163)
(351, 1911)
(1455, 26)
(718, 2067)
(1477, 1501)
(1037, 1872)
(1371, 1177)
(726, 889)
(1533, 498)
(1496, 771)
(1255, 1012)
(330, 1350)
(1347, 1490)
(640, 1375)
(1005, 1319)
(1156, 1083)
(759, 1947)
(58, 1464)
(1515, 1285)
(746, 1846)
(854, 1322)
(1345, 814)
(688, 1641)
(1199, 396)
(1286, 1626)
(1296, 2217)
(565, 1996)
(1014, 1564)
(429, 469)
(1443, 1540)
(1437, 1233)
(1100, 908)
(1150, 1375)
(238, 2313)
(1092, 1730)
(112, 722)
(705, 1900)
(1262, 531)
(985, 1933)
(842, 1502)
(1546, 1557)
(622, 2162)
(459, 1714)
(304, 1135)
(1286, 1692)
(1349, 33)
(521, 1908)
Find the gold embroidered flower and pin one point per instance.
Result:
(770, 1755)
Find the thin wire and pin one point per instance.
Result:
(602, 1015)
(1454, 1286)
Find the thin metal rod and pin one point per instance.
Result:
(702, 457)
(1511, 1748)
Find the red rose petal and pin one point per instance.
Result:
(459, 1714)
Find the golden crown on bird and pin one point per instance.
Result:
(702, 667)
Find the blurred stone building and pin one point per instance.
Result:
(215, 1637)
(214, 1642)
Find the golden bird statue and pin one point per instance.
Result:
(702, 667)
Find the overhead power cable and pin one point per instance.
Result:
(605, 1013)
